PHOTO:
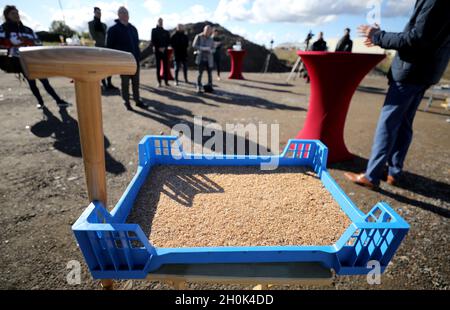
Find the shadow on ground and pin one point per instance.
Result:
(409, 182)
(221, 96)
(226, 97)
(270, 83)
(267, 89)
(170, 116)
(66, 137)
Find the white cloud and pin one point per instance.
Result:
(263, 37)
(232, 10)
(153, 6)
(30, 22)
(196, 13)
(78, 16)
(240, 31)
(308, 12)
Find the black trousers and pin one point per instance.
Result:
(162, 56)
(204, 65)
(135, 79)
(217, 61)
(48, 88)
(178, 64)
(106, 82)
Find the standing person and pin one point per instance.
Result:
(345, 44)
(97, 31)
(180, 42)
(13, 35)
(218, 51)
(423, 51)
(124, 36)
(161, 41)
(204, 47)
(320, 45)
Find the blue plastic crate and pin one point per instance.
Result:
(116, 250)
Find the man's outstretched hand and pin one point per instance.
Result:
(368, 32)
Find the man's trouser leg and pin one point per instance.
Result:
(405, 134)
(158, 56)
(209, 69)
(125, 87)
(135, 80)
(165, 60)
(185, 71)
(398, 101)
(201, 67)
(177, 65)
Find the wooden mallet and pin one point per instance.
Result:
(87, 66)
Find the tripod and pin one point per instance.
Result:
(269, 56)
(299, 66)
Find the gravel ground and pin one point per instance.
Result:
(43, 189)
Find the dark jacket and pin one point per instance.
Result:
(180, 42)
(423, 48)
(218, 43)
(12, 37)
(124, 38)
(160, 37)
(319, 46)
(344, 44)
(97, 31)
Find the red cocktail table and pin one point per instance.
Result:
(237, 59)
(334, 79)
(169, 61)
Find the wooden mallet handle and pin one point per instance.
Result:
(87, 66)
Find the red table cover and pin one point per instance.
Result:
(169, 57)
(237, 59)
(334, 79)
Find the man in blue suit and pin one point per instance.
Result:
(124, 36)
(423, 51)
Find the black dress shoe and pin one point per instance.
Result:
(140, 104)
(63, 104)
(128, 106)
(112, 87)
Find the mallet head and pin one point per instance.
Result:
(78, 63)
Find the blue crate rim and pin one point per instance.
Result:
(114, 222)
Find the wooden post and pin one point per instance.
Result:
(87, 67)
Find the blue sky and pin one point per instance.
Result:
(257, 20)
